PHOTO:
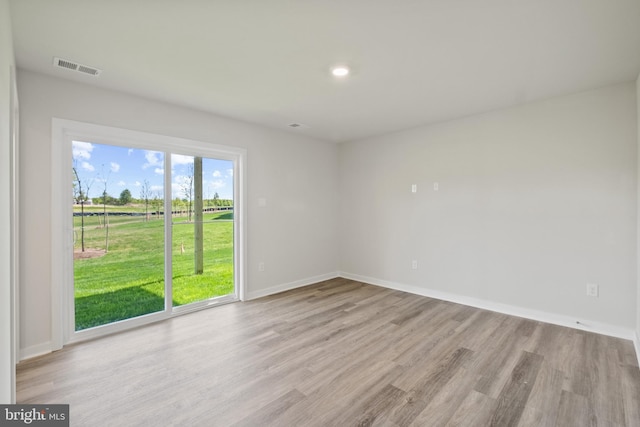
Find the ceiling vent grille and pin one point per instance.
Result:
(74, 66)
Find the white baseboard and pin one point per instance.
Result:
(288, 286)
(600, 328)
(541, 316)
(36, 350)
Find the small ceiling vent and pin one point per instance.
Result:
(74, 66)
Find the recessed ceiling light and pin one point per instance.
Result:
(340, 71)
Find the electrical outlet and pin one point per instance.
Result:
(414, 188)
(414, 264)
(436, 186)
(592, 290)
(261, 266)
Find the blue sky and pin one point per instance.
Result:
(121, 168)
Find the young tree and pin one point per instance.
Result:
(81, 197)
(187, 189)
(176, 205)
(105, 215)
(145, 194)
(157, 202)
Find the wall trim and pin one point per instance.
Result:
(36, 350)
(291, 285)
(541, 316)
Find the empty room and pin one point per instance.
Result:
(315, 213)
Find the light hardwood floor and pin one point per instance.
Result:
(342, 353)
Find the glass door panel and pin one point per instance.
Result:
(202, 229)
(118, 259)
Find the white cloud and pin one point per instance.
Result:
(229, 172)
(179, 185)
(217, 174)
(81, 150)
(130, 151)
(154, 158)
(176, 191)
(115, 167)
(179, 159)
(87, 166)
(122, 184)
(157, 188)
(138, 184)
(159, 171)
(181, 179)
(218, 183)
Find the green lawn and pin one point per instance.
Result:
(128, 281)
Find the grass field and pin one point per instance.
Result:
(128, 281)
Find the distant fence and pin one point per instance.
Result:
(177, 212)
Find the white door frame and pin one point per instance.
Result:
(62, 295)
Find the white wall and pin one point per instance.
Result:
(294, 235)
(7, 364)
(534, 202)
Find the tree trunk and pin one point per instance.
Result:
(106, 235)
(82, 223)
(81, 197)
(197, 216)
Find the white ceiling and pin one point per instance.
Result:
(267, 61)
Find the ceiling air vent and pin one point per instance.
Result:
(74, 66)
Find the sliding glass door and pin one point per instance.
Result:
(154, 232)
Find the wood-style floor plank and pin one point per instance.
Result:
(476, 409)
(342, 353)
(513, 397)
